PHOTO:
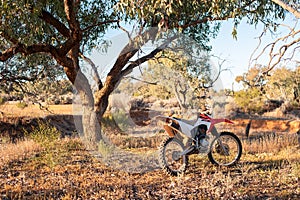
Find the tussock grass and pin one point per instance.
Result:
(269, 143)
(22, 150)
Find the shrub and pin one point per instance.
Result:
(48, 137)
(2, 100)
(105, 149)
(45, 134)
(22, 105)
(250, 101)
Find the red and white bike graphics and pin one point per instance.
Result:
(222, 148)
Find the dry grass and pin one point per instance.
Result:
(11, 110)
(269, 169)
(22, 150)
(269, 143)
(79, 175)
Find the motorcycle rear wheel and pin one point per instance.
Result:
(226, 150)
(170, 160)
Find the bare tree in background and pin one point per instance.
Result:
(283, 49)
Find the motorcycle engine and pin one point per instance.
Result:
(200, 136)
(201, 139)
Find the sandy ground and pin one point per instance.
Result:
(11, 110)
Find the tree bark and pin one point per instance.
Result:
(91, 126)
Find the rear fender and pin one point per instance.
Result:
(172, 127)
(169, 130)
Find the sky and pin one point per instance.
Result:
(235, 52)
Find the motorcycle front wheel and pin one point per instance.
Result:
(226, 150)
(169, 157)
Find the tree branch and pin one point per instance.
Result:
(204, 20)
(287, 7)
(226, 16)
(94, 69)
(282, 51)
(60, 27)
(71, 15)
(147, 82)
(99, 24)
(20, 48)
(147, 57)
(277, 49)
(127, 53)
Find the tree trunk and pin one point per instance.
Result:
(89, 123)
(91, 127)
(177, 95)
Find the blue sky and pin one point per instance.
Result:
(236, 52)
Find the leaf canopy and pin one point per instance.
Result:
(29, 21)
(197, 19)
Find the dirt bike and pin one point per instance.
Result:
(224, 149)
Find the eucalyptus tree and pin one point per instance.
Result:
(182, 76)
(68, 30)
(29, 77)
(284, 49)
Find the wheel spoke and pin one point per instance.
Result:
(171, 160)
(225, 150)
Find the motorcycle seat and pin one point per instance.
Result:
(190, 122)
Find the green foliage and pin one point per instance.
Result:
(121, 119)
(116, 121)
(158, 91)
(283, 84)
(48, 138)
(105, 149)
(23, 20)
(33, 76)
(179, 75)
(22, 105)
(250, 100)
(46, 88)
(252, 78)
(53, 30)
(2, 100)
(45, 135)
(184, 15)
(40, 23)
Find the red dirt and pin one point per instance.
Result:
(14, 120)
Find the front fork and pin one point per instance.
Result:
(222, 148)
